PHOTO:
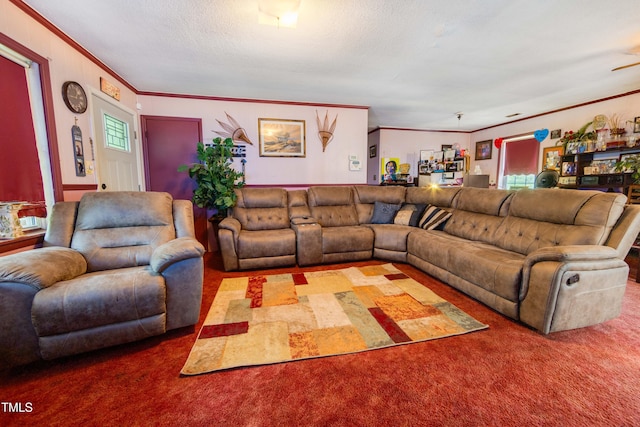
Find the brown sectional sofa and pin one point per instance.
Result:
(550, 258)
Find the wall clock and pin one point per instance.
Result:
(74, 97)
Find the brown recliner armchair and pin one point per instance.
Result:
(257, 234)
(116, 267)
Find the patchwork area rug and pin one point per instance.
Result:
(260, 320)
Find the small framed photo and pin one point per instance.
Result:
(556, 133)
(373, 151)
(483, 150)
(552, 158)
(445, 147)
(281, 138)
(636, 125)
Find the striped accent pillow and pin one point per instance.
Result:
(434, 218)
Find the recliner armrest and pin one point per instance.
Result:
(301, 220)
(42, 267)
(174, 251)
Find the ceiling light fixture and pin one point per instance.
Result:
(280, 13)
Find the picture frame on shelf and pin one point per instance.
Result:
(552, 158)
(483, 150)
(636, 125)
(281, 138)
(445, 147)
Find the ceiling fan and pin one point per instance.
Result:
(633, 51)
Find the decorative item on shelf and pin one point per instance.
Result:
(215, 177)
(615, 129)
(233, 130)
(325, 131)
(629, 163)
(573, 142)
(10, 227)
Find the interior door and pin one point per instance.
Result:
(167, 143)
(116, 147)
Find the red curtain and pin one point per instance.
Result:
(20, 176)
(521, 157)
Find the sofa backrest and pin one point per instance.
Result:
(478, 212)
(333, 206)
(442, 197)
(117, 229)
(551, 217)
(262, 208)
(365, 197)
(298, 204)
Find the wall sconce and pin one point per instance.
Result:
(280, 13)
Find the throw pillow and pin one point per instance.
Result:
(434, 218)
(383, 213)
(409, 214)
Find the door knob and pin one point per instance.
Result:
(104, 186)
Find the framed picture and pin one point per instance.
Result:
(445, 147)
(281, 138)
(636, 125)
(373, 151)
(483, 150)
(552, 158)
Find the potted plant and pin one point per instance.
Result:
(215, 177)
(630, 163)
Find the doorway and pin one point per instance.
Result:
(167, 143)
(116, 147)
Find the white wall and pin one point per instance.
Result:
(407, 144)
(626, 107)
(318, 167)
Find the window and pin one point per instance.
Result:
(36, 119)
(116, 133)
(519, 163)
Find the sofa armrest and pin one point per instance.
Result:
(308, 240)
(232, 224)
(568, 287)
(174, 251)
(42, 267)
(562, 254)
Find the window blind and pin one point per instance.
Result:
(521, 157)
(20, 175)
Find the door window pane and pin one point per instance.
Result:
(116, 134)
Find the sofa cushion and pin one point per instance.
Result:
(347, 239)
(266, 243)
(493, 269)
(122, 228)
(97, 299)
(262, 208)
(383, 213)
(365, 197)
(333, 206)
(433, 218)
(547, 217)
(409, 214)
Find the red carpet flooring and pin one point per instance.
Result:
(507, 375)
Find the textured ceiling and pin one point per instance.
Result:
(415, 63)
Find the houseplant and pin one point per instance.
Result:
(215, 177)
(630, 163)
(572, 141)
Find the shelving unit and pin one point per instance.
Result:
(440, 167)
(596, 170)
